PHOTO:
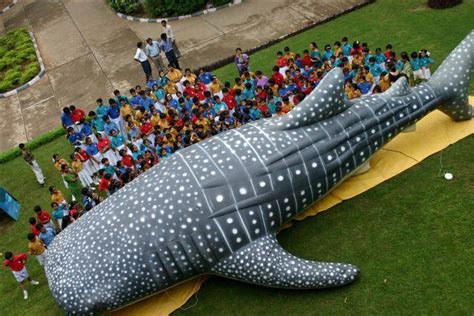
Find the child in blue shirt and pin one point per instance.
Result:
(101, 108)
(366, 55)
(162, 79)
(204, 76)
(135, 99)
(248, 94)
(116, 140)
(74, 138)
(159, 92)
(255, 112)
(375, 69)
(346, 47)
(426, 62)
(364, 86)
(151, 82)
(97, 122)
(380, 58)
(58, 212)
(107, 167)
(86, 131)
(328, 52)
(272, 102)
(219, 106)
(416, 67)
(109, 126)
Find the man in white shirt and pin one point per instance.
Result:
(170, 34)
(153, 51)
(142, 58)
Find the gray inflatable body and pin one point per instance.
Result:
(216, 206)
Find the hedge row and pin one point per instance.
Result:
(163, 8)
(35, 143)
(443, 4)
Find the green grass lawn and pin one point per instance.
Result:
(415, 254)
(18, 62)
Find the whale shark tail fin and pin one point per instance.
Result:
(266, 263)
(452, 80)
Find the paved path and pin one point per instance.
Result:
(88, 51)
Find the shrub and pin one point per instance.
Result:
(443, 4)
(18, 63)
(125, 6)
(164, 8)
(218, 3)
(13, 76)
(30, 72)
(35, 143)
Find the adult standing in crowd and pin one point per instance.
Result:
(153, 51)
(30, 159)
(142, 58)
(167, 46)
(241, 60)
(170, 34)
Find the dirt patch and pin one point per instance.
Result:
(421, 8)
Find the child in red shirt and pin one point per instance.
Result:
(277, 76)
(44, 217)
(17, 266)
(127, 160)
(306, 61)
(77, 115)
(281, 61)
(228, 99)
(33, 223)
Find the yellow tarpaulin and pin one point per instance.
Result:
(433, 133)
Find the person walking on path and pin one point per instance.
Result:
(30, 159)
(170, 34)
(167, 46)
(153, 51)
(142, 58)
(17, 266)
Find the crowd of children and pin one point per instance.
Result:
(128, 134)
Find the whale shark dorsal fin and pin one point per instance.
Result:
(399, 88)
(265, 262)
(325, 101)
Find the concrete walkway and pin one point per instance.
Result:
(88, 51)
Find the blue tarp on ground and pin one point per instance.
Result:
(9, 204)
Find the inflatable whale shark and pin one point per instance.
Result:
(215, 207)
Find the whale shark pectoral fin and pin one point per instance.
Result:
(398, 88)
(266, 263)
(325, 101)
